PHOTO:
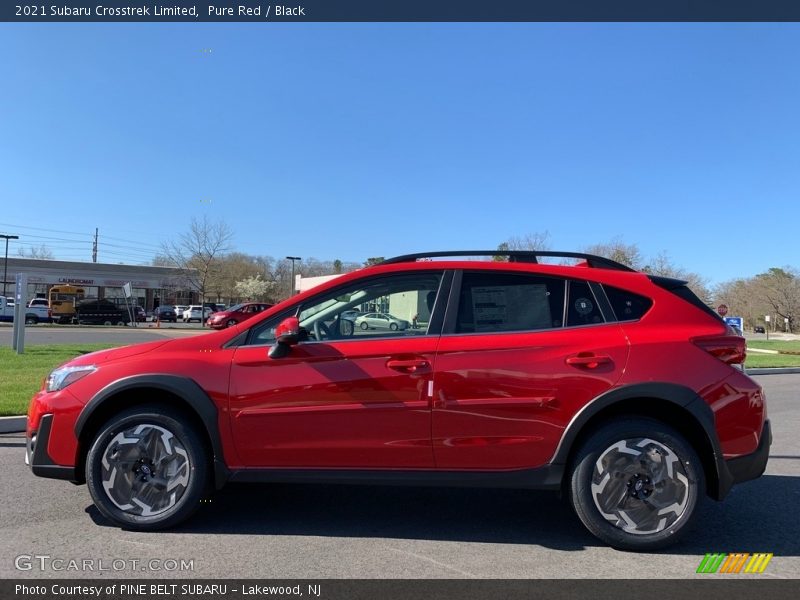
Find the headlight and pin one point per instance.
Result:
(61, 378)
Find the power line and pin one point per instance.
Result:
(90, 235)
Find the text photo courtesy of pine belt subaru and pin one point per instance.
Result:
(620, 390)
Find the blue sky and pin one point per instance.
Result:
(356, 140)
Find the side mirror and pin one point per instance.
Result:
(287, 334)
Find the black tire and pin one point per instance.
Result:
(31, 320)
(120, 323)
(364, 325)
(636, 484)
(231, 323)
(183, 454)
(107, 323)
(393, 326)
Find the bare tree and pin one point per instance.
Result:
(619, 251)
(743, 299)
(42, 253)
(538, 240)
(781, 289)
(663, 266)
(197, 252)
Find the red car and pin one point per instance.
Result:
(236, 314)
(621, 390)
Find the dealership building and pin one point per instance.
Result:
(151, 286)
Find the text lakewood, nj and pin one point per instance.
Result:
(157, 10)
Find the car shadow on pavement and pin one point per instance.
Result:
(758, 516)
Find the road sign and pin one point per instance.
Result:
(736, 322)
(722, 309)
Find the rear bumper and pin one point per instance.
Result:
(744, 468)
(752, 465)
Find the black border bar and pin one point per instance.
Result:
(263, 11)
(708, 587)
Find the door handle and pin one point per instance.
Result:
(588, 360)
(406, 366)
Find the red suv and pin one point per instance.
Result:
(621, 390)
(236, 314)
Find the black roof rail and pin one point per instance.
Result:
(529, 256)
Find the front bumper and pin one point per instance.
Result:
(37, 458)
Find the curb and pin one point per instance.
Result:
(13, 424)
(774, 371)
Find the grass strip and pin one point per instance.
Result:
(21, 375)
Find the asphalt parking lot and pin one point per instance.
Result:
(81, 334)
(313, 531)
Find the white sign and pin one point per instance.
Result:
(127, 290)
(766, 318)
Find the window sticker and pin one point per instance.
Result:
(511, 307)
(584, 306)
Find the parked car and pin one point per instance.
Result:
(196, 313)
(139, 314)
(10, 302)
(236, 314)
(33, 314)
(179, 308)
(381, 321)
(759, 329)
(101, 312)
(39, 302)
(165, 313)
(526, 375)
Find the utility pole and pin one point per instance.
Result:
(94, 246)
(293, 258)
(5, 262)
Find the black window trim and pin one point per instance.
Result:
(434, 326)
(451, 316)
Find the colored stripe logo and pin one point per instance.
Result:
(737, 562)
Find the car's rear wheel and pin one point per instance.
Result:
(107, 323)
(147, 468)
(121, 323)
(31, 320)
(636, 483)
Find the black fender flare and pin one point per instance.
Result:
(681, 396)
(183, 387)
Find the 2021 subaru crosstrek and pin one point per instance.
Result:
(621, 390)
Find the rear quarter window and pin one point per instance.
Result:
(627, 306)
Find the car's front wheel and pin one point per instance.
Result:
(147, 468)
(636, 484)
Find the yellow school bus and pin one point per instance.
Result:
(62, 302)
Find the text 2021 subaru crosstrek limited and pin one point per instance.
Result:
(622, 390)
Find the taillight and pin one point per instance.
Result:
(730, 349)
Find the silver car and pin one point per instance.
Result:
(381, 321)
